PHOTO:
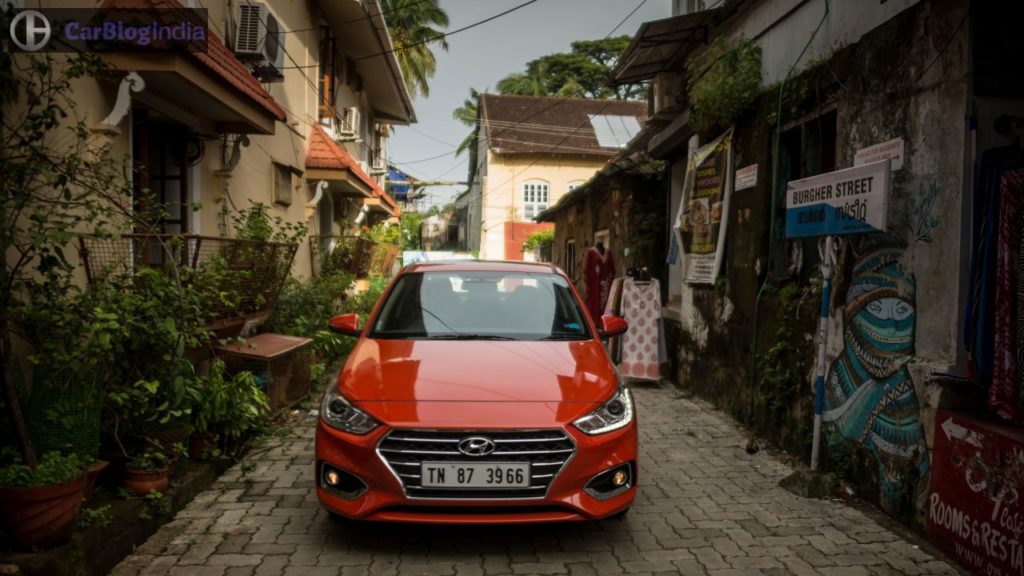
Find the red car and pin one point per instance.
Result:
(478, 392)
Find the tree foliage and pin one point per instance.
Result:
(583, 72)
(412, 27)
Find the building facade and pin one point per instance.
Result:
(532, 151)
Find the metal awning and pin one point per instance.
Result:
(659, 43)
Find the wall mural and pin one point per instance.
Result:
(870, 397)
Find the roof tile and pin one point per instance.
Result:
(217, 58)
(524, 124)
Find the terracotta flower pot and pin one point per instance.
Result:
(41, 516)
(140, 482)
(91, 474)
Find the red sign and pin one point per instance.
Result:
(975, 511)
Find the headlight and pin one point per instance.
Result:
(339, 413)
(612, 415)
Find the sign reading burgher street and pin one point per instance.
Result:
(850, 201)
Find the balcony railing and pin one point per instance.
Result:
(253, 272)
(355, 255)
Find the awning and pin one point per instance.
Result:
(362, 35)
(212, 92)
(660, 43)
(329, 161)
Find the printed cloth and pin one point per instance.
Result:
(1005, 392)
(641, 307)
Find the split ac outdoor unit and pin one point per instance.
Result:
(258, 40)
(350, 123)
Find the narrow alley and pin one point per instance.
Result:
(705, 506)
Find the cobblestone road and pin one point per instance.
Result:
(705, 507)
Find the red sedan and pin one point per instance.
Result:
(478, 392)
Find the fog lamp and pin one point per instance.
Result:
(332, 477)
(620, 478)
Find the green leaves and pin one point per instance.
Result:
(54, 468)
(724, 82)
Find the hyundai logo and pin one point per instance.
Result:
(476, 446)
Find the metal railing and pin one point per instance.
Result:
(250, 271)
(355, 255)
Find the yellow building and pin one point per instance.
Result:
(532, 150)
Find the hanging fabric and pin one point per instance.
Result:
(598, 271)
(979, 317)
(1005, 392)
(641, 307)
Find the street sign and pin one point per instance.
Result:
(850, 201)
(891, 149)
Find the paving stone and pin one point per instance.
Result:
(707, 509)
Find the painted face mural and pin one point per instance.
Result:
(870, 397)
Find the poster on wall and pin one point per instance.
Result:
(975, 511)
(701, 221)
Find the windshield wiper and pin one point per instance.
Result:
(469, 337)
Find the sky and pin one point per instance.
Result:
(479, 57)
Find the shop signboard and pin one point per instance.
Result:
(700, 225)
(850, 201)
(975, 509)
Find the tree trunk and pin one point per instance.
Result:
(12, 401)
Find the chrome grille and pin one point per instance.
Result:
(547, 451)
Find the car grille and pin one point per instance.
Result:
(547, 451)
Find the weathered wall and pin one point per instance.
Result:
(895, 301)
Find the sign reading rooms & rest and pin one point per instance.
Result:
(850, 201)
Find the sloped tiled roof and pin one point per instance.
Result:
(324, 153)
(536, 124)
(218, 59)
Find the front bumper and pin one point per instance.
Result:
(386, 497)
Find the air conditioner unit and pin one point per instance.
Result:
(258, 40)
(350, 123)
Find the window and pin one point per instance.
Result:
(328, 74)
(569, 265)
(535, 199)
(282, 184)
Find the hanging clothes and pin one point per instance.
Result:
(979, 317)
(598, 271)
(641, 307)
(1005, 392)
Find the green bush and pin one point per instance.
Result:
(542, 240)
(230, 407)
(54, 468)
(724, 82)
(305, 306)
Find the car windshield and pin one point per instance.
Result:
(481, 305)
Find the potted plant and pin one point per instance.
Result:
(148, 470)
(228, 408)
(39, 507)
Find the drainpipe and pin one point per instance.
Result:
(776, 184)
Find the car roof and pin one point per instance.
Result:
(481, 266)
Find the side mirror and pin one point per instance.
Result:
(612, 326)
(347, 324)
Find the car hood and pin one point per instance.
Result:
(478, 371)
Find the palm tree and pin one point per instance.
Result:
(533, 82)
(467, 114)
(411, 25)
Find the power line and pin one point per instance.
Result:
(447, 34)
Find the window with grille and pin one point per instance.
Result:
(535, 199)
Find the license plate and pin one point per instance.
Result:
(475, 475)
